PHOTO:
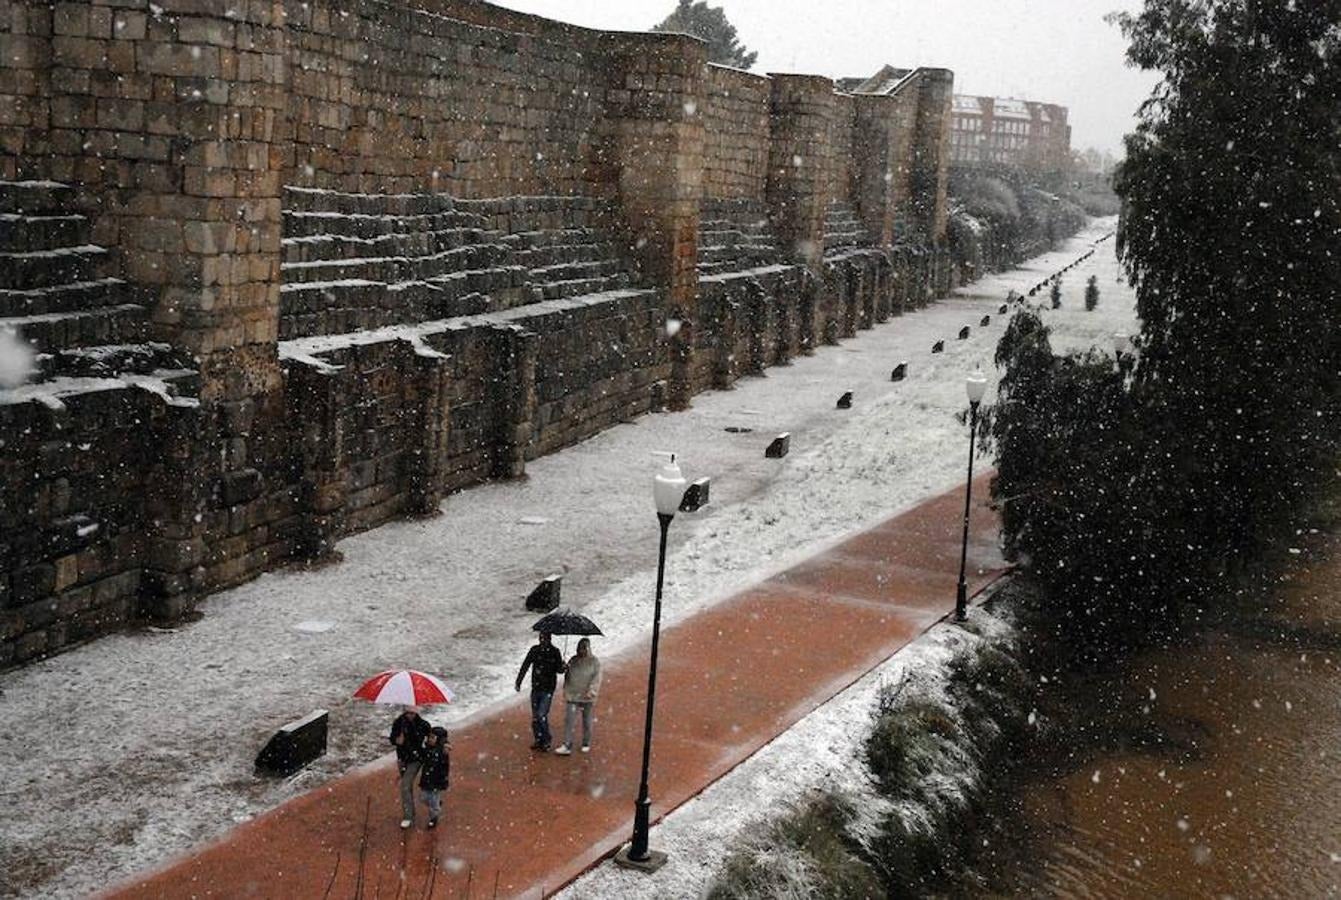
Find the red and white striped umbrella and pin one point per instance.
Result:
(407, 687)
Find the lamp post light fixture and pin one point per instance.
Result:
(1121, 343)
(975, 385)
(668, 487)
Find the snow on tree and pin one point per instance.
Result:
(1137, 484)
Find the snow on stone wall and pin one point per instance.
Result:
(406, 247)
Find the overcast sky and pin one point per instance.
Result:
(1059, 51)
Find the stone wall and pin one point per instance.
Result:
(385, 99)
(736, 146)
(319, 265)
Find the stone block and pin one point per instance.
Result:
(128, 25)
(295, 745)
(32, 583)
(66, 572)
(217, 32)
(779, 447)
(545, 597)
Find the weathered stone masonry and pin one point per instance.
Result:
(297, 268)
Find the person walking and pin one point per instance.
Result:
(407, 734)
(437, 772)
(546, 664)
(581, 684)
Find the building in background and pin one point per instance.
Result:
(992, 132)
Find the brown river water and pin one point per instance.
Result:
(1243, 798)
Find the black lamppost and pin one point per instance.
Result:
(668, 488)
(976, 386)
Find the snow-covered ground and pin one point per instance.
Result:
(118, 754)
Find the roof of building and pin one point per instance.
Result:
(886, 81)
(1011, 109)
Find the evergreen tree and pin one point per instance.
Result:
(709, 23)
(1131, 489)
(1232, 217)
(1056, 295)
(1092, 293)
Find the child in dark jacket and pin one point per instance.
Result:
(436, 772)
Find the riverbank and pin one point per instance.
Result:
(1202, 764)
(1205, 766)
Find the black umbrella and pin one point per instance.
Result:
(565, 621)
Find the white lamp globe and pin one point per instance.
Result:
(975, 386)
(668, 485)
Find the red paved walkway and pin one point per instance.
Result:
(730, 679)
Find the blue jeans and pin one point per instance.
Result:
(409, 776)
(540, 701)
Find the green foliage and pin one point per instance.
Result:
(1092, 293)
(1020, 219)
(1095, 197)
(806, 853)
(1065, 433)
(1232, 190)
(990, 199)
(909, 742)
(933, 755)
(710, 24)
(1129, 492)
(994, 693)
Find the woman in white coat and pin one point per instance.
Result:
(581, 684)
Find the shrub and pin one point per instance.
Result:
(806, 853)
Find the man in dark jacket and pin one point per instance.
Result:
(437, 772)
(408, 733)
(546, 665)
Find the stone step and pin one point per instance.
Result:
(314, 200)
(574, 271)
(532, 203)
(483, 281)
(733, 210)
(298, 224)
(65, 298)
(556, 290)
(393, 269)
(741, 249)
(722, 266)
(25, 270)
(337, 248)
(124, 324)
(108, 360)
(35, 197)
(550, 237)
(555, 254)
(748, 226)
(21, 232)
